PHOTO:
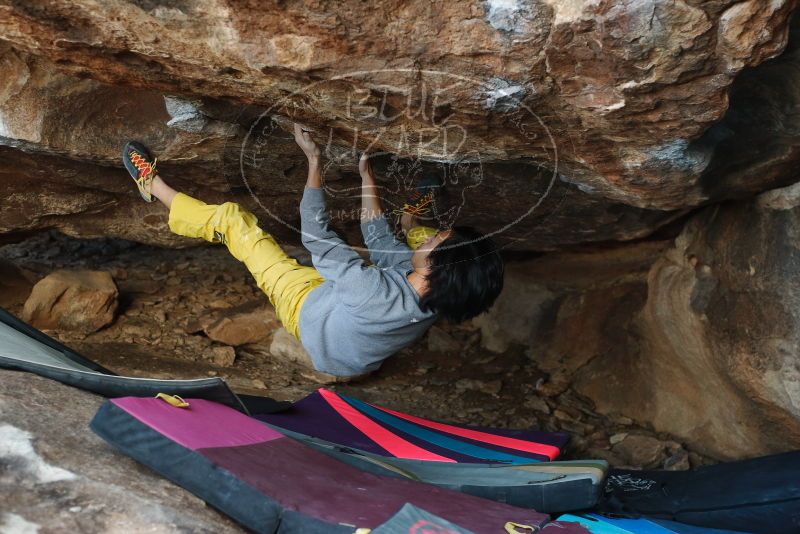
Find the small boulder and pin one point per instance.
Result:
(223, 356)
(618, 438)
(241, 327)
(441, 341)
(679, 459)
(536, 403)
(641, 451)
(81, 301)
(286, 346)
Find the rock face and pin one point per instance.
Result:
(698, 337)
(59, 476)
(83, 301)
(14, 285)
(577, 122)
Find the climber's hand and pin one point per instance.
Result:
(303, 138)
(365, 168)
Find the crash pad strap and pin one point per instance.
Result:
(511, 528)
(173, 400)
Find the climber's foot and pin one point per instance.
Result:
(421, 204)
(141, 166)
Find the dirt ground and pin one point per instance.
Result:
(163, 291)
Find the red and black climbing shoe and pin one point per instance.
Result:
(141, 166)
(422, 200)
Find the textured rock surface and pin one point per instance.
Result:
(84, 301)
(72, 180)
(698, 338)
(644, 451)
(721, 325)
(441, 341)
(58, 476)
(243, 325)
(617, 97)
(15, 287)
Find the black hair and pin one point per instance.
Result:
(466, 275)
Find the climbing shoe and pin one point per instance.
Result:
(422, 200)
(141, 166)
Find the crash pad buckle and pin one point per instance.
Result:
(173, 400)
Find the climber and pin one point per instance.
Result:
(348, 315)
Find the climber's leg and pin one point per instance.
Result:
(285, 282)
(162, 191)
(415, 232)
(421, 207)
(417, 235)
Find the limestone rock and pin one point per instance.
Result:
(441, 341)
(536, 403)
(242, 325)
(678, 461)
(617, 438)
(59, 476)
(638, 450)
(618, 112)
(287, 347)
(696, 337)
(14, 285)
(223, 356)
(502, 327)
(83, 301)
(718, 332)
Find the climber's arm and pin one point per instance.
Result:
(330, 254)
(370, 196)
(385, 249)
(332, 257)
(303, 139)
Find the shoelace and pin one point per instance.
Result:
(146, 170)
(420, 208)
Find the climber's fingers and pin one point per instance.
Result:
(364, 166)
(302, 137)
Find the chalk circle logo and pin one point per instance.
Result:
(410, 130)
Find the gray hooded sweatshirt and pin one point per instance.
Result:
(362, 313)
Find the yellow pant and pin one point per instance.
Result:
(285, 282)
(417, 235)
